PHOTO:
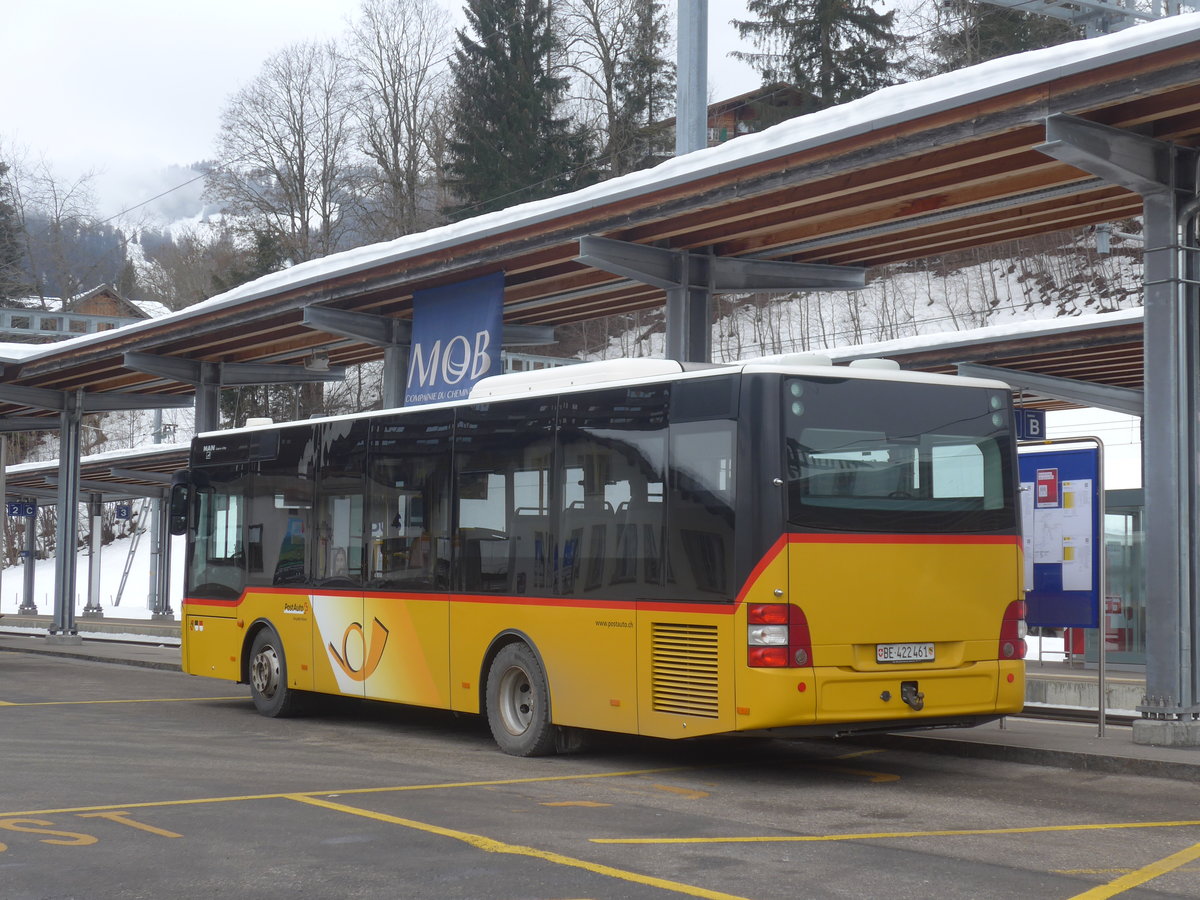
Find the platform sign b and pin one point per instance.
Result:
(1031, 424)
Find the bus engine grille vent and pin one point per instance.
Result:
(684, 669)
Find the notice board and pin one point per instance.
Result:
(1064, 546)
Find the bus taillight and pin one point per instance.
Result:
(1013, 631)
(777, 636)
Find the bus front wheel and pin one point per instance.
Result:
(518, 703)
(268, 677)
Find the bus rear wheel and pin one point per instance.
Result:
(268, 677)
(518, 703)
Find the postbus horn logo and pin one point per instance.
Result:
(374, 650)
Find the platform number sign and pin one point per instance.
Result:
(124, 510)
(1031, 424)
(21, 509)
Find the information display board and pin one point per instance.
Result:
(1060, 515)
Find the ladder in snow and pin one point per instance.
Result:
(137, 535)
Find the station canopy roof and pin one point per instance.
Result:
(912, 171)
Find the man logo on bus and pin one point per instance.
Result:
(373, 652)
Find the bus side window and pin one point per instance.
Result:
(341, 489)
(408, 502)
(612, 453)
(502, 481)
(217, 555)
(700, 559)
(280, 508)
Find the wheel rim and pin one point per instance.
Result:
(516, 700)
(264, 672)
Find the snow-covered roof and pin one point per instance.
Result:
(1023, 328)
(882, 109)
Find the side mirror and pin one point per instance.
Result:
(181, 495)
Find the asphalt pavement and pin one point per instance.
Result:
(1072, 745)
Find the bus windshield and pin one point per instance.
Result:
(889, 457)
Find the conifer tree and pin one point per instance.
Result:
(13, 280)
(645, 88)
(623, 81)
(510, 141)
(836, 50)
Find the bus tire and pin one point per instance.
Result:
(518, 703)
(267, 670)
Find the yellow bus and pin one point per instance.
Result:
(638, 546)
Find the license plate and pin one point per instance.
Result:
(903, 653)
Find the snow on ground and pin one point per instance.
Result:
(133, 602)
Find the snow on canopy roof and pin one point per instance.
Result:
(882, 109)
(1024, 328)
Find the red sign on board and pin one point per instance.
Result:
(1047, 488)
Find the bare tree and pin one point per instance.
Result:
(396, 53)
(192, 266)
(284, 151)
(53, 218)
(622, 81)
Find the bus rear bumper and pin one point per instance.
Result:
(850, 729)
(918, 696)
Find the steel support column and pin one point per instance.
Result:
(66, 543)
(28, 605)
(207, 415)
(95, 505)
(161, 570)
(691, 80)
(395, 374)
(1166, 177)
(689, 317)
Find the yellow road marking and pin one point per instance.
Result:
(143, 700)
(491, 845)
(119, 815)
(882, 835)
(588, 803)
(690, 793)
(1142, 875)
(1115, 870)
(857, 753)
(153, 804)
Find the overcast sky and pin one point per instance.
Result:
(130, 88)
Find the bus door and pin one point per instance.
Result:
(347, 644)
(407, 560)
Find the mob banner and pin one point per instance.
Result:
(456, 339)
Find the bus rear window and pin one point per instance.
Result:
(892, 457)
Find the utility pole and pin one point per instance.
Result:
(691, 97)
